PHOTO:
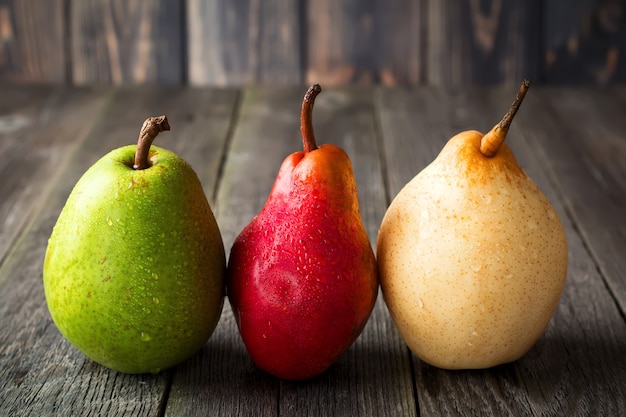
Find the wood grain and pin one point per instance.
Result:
(583, 41)
(483, 42)
(218, 42)
(33, 41)
(126, 41)
(236, 43)
(585, 337)
(590, 177)
(40, 128)
(364, 42)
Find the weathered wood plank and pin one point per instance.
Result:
(32, 41)
(126, 42)
(581, 132)
(583, 41)
(237, 43)
(38, 135)
(40, 373)
(483, 41)
(17, 98)
(366, 42)
(569, 141)
(267, 131)
(19, 109)
(576, 367)
(234, 43)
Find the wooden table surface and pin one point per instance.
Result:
(570, 141)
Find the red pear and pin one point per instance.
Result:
(302, 276)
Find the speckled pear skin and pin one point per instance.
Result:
(472, 258)
(134, 270)
(302, 275)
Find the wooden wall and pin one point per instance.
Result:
(237, 42)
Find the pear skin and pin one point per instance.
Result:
(472, 256)
(302, 276)
(134, 268)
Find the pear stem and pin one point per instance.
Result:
(493, 140)
(149, 131)
(306, 118)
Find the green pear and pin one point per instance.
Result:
(134, 269)
(472, 255)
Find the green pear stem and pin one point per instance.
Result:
(306, 118)
(149, 131)
(493, 140)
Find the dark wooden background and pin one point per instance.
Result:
(239, 42)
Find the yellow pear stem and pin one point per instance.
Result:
(493, 140)
(149, 131)
(306, 118)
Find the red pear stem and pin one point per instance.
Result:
(306, 118)
(149, 131)
(493, 140)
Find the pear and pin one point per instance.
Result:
(134, 269)
(472, 256)
(302, 276)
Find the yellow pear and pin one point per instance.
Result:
(472, 255)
